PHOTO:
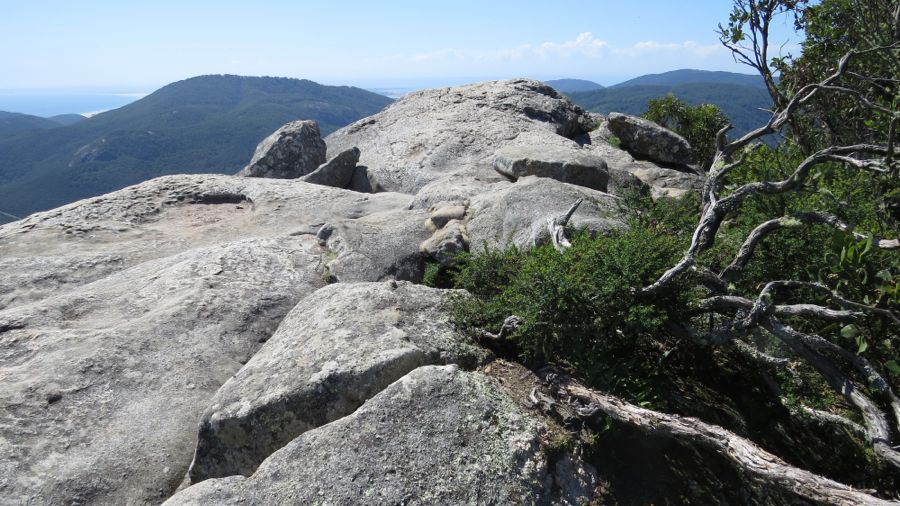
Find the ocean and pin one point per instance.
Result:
(53, 103)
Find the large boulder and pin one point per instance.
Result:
(430, 134)
(294, 150)
(337, 172)
(101, 387)
(438, 435)
(517, 215)
(567, 164)
(628, 173)
(647, 140)
(333, 351)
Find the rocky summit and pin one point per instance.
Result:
(216, 339)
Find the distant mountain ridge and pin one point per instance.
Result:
(14, 123)
(692, 76)
(573, 85)
(742, 97)
(207, 124)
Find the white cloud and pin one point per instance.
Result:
(686, 48)
(585, 45)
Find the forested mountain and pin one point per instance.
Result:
(692, 76)
(13, 123)
(207, 124)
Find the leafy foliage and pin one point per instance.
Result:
(697, 124)
(743, 105)
(580, 308)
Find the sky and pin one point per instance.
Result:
(134, 46)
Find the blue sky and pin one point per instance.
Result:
(139, 45)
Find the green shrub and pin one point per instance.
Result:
(581, 308)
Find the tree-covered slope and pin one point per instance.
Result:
(13, 123)
(693, 76)
(207, 124)
(744, 105)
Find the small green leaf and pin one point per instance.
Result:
(862, 345)
(884, 275)
(893, 366)
(850, 331)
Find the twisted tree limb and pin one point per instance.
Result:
(761, 231)
(756, 464)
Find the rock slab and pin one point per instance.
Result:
(337, 172)
(438, 435)
(566, 164)
(647, 140)
(294, 150)
(335, 349)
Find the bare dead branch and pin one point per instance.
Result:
(761, 231)
(878, 431)
(557, 228)
(831, 418)
(731, 302)
(756, 464)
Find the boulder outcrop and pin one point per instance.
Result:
(438, 435)
(294, 150)
(430, 134)
(128, 318)
(566, 164)
(333, 351)
(647, 140)
(517, 215)
(337, 172)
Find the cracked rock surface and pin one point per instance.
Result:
(337, 348)
(438, 435)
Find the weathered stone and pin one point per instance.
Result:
(447, 242)
(101, 387)
(569, 164)
(661, 180)
(645, 139)
(337, 348)
(518, 214)
(430, 134)
(436, 436)
(444, 213)
(51, 252)
(375, 247)
(337, 172)
(294, 150)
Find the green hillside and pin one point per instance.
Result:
(13, 123)
(744, 105)
(207, 124)
(692, 76)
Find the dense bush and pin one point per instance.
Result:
(580, 309)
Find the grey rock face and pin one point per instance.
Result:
(337, 348)
(662, 181)
(444, 212)
(101, 387)
(294, 150)
(375, 247)
(518, 214)
(567, 164)
(645, 139)
(337, 172)
(51, 252)
(447, 242)
(430, 134)
(436, 436)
